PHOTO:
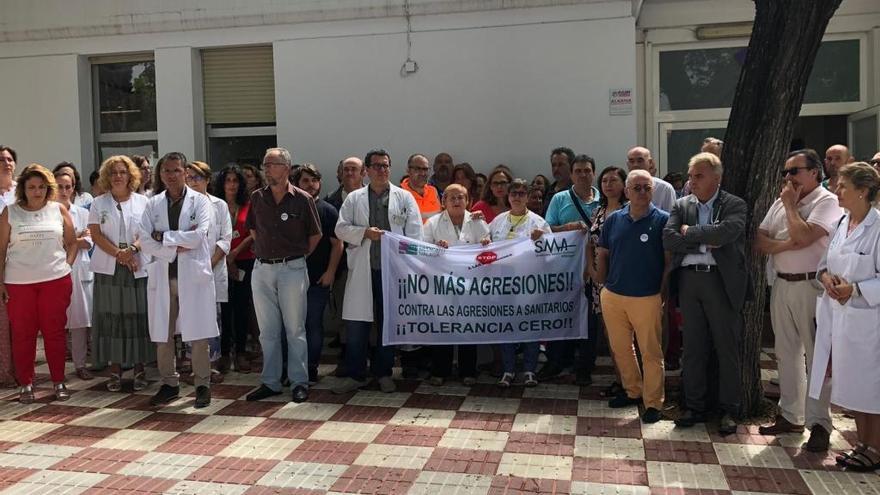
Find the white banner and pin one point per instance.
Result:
(509, 291)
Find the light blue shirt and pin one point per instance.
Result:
(704, 217)
(562, 210)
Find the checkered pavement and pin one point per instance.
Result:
(556, 438)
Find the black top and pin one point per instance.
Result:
(319, 259)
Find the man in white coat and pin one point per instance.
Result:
(180, 289)
(365, 215)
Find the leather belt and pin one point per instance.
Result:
(796, 277)
(702, 268)
(272, 261)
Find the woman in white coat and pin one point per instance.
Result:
(454, 226)
(198, 177)
(79, 313)
(181, 281)
(847, 333)
(363, 286)
(119, 307)
(518, 222)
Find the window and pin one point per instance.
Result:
(239, 97)
(125, 107)
(707, 78)
(682, 144)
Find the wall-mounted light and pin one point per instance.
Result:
(721, 31)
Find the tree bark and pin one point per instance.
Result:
(783, 45)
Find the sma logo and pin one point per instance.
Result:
(546, 246)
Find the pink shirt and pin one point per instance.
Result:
(819, 207)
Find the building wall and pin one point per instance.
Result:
(487, 96)
(495, 84)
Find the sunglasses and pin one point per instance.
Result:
(793, 171)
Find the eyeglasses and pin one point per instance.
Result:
(793, 171)
(380, 166)
(517, 193)
(874, 162)
(642, 189)
(194, 178)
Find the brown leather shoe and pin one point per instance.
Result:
(820, 438)
(780, 426)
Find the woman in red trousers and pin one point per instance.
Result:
(37, 249)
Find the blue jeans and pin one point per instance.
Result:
(280, 302)
(358, 333)
(317, 301)
(530, 356)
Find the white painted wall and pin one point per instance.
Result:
(179, 110)
(487, 96)
(40, 110)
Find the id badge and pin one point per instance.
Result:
(123, 245)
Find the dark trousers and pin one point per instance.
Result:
(235, 315)
(358, 333)
(561, 352)
(316, 302)
(710, 323)
(441, 360)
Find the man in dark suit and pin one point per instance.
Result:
(706, 237)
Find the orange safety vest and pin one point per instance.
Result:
(429, 204)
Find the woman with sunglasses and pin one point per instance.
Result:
(494, 200)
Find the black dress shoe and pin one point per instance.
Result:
(300, 394)
(550, 370)
(166, 394)
(203, 396)
(820, 438)
(583, 378)
(727, 425)
(261, 393)
(623, 400)
(780, 426)
(690, 418)
(651, 415)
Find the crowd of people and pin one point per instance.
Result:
(204, 271)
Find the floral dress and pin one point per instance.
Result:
(599, 216)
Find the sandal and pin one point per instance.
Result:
(114, 384)
(140, 381)
(859, 460)
(84, 374)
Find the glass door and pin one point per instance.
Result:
(679, 141)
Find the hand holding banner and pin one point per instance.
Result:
(510, 291)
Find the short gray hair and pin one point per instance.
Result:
(638, 172)
(282, 152)
(709, 158)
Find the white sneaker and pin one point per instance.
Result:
(386, 384)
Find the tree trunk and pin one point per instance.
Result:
(785, 38)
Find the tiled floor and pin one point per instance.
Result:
(556, 438)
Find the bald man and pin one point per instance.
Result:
(639, 158)
(835, 157)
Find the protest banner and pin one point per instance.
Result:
(510, 291)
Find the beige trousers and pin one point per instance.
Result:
(640, 316)
(165, 351)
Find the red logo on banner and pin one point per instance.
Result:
(486, 257)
